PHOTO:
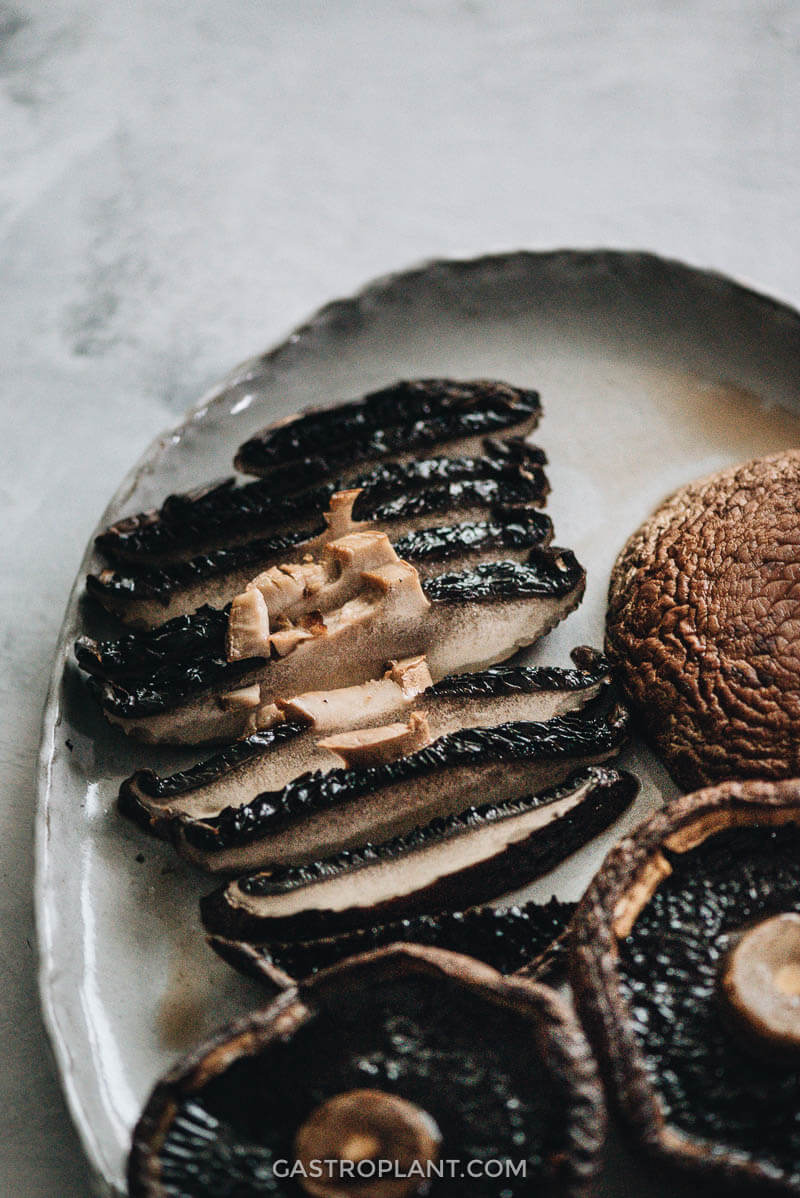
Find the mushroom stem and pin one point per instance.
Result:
(787, 980)
(366, 1126)
(760, 986)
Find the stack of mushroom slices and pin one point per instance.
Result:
(338, 625)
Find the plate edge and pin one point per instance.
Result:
(212, 399)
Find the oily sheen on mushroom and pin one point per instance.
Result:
(476, 855)
(321, 813)
(222, 514)
(269, 759)
(463, 521)
(408, 1055)
(171, 685)
(686, 970)
(396, 423)
(704, 624)
(518, 938)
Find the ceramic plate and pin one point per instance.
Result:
(651, 373)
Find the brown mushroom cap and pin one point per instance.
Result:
(761, 985)
(646, 945)
(704, 624)
(499, 1064)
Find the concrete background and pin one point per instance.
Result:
(181, 183)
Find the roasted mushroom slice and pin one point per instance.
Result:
(320, 814)
(703, 624)
(295, 589)
(219, 517)
(215, 517)
(176, 685)
(509, 534)
(486, 517)
(149, 598)
(396, 423)
(454, 861)
(406, 1071)
(508, 939)
(269, 759)
(685, 968)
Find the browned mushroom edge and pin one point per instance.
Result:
(525, 941)
(608, 911)
(408, 416)
(563, 1049)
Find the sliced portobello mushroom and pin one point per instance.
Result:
(686, 970)
(269, 759)
(176, 685)
(484, 519)
(225, 515)
(510, 939)
(454, 861)
(318, 815)
(703, 624)
(149, 598)
(292, 591)
(394, 424)
(324, 812)
(410, 1055)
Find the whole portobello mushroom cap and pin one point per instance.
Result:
(468, 1084)
(703, 624)
(685, 965)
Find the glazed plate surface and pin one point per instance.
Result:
(651, 373)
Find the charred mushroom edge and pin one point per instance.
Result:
(258, 960)
(619, 892)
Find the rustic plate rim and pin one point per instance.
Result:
(328, 314)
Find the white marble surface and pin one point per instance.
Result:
(181, 183)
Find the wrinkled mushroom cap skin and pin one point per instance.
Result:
(703, 624)
(556, 1039)
(620, 890)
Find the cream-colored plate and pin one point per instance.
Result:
(651, 373)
